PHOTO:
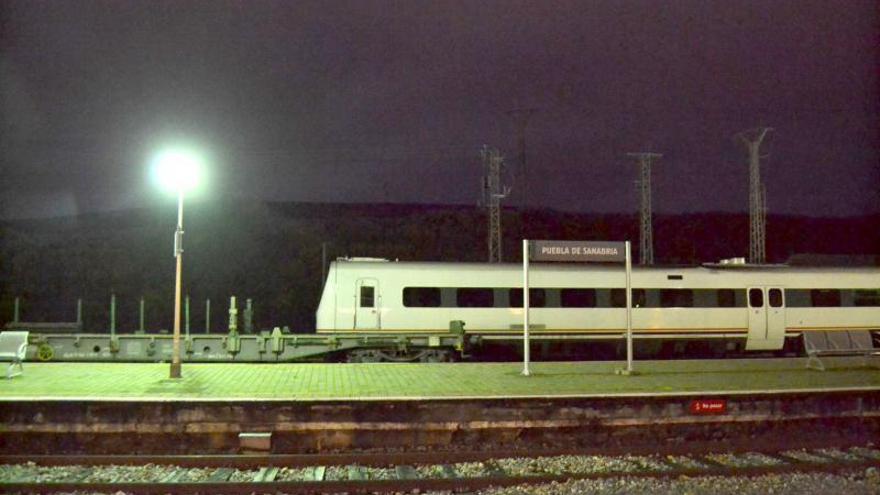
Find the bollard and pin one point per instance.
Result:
(79, 312)
(15, 309)
(208, 315)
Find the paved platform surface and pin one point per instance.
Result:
(148, 381)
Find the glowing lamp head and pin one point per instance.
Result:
(177, 170)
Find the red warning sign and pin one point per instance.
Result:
(708, 406)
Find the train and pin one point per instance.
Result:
(374, 310)
(727, 307)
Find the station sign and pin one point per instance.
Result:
(578, 251)
(708, 406)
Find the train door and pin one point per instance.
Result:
(367, 315)
(766, 318)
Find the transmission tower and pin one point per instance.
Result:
(493, 193)
(646, 232)
(521, 118)
(752, 139)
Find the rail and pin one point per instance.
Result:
(381, 473)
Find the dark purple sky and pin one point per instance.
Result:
(391, 101)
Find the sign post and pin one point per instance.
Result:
(526, 356)
(583, 252)
(629, 326)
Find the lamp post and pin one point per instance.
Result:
(177, 171)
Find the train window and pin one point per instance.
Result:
(639, 298)
(475, 298)
(775, 296)
(421, 297)
(551, 297)
(797, 298)
(718, 298)
(577, 298)
(603, 298)
(866, 297)
(448, 296)
(368, 296)
(756, 298)
(830, 298)
(537, 298)
(618, 298)
(705, 298)
(726, 298)
(824, 298)
(676, 298)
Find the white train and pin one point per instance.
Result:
(752, 308)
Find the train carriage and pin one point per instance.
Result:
(748, 307)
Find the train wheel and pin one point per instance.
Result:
(364, 356)
(435, 356)
(45, 352)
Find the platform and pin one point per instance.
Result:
(133, 407)
(387, 381)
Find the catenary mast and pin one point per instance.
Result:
(493, 193)
(752, 139)
(646, 231)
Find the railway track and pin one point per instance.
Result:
(404, 472)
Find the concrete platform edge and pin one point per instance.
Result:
(622, 395)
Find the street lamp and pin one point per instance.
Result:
(177, 171)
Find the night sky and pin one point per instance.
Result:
(391, 101)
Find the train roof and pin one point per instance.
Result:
(384, 264)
